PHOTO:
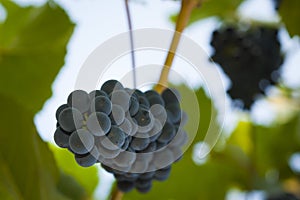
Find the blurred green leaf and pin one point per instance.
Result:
(214, 8)
(68, 186)
(290, 15)
(274, 146)
(200, 111)
(86, 177)
(26, 164)
(32, 49)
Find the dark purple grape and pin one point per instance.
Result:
(80, 100)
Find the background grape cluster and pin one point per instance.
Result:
(251, 58)
(133, 134)
(283, 196)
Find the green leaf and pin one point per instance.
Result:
(202, 115)
(290, 15)
(26, 163)
(199, 109)
(86, 177)
(281, 140)
(214, 8)
(68, 186)
(32, 49)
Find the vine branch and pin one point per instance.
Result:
(131, 42)
(117, 194)
(186, 9)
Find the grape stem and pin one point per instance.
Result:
(187, 6)
(117, 194)
(131, 42)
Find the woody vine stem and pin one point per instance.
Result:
(186, 9)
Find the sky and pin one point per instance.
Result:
(97, 21)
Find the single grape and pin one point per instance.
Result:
(106, 143)
(106, 153)
(121, 170)
(153, 138)
(61, 138)
(156, 129)
(147, 175)
(163, 174)
(95, 152)
(86, 160)
(123, 177)
(132, 175)
(95, 93)
(140, 166)
(177, 153)
(160, 145)
(111, 85)
(98, 123)
(134, 105)
(121, 98)
(184, 119)
(125, 186)
(173, 112)
(81, 141)
(150, 93)
(145, 156)
(117, 115)
(125, 159)
(159, 113)
(138, 93)
(180, 139)
(143, 117)
(163, 158)
(116, 136)
(101, 104)
(144, 103)
(150, 148)
(157, 109)
(171, 96)
(107, 168)
(126, 126)
(126, 143)
(59, 109)
(79, 99)
(168, 133)
(143, 186)
(70, 119)
(134, 126)
(139, 144)
(120, 177)
(154, 98)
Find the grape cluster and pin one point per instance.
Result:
(277, 4)
(251, 58)
(133, 134)
(283, 196)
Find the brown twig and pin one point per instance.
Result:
(117, 194)
(131, 42)
(187, 7)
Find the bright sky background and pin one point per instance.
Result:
(99, 20)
